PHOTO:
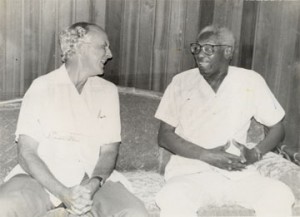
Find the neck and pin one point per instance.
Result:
(216, 79)
(75, 70)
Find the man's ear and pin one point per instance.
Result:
(228, 53)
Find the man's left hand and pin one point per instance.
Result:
(93, 185)
(249, 156)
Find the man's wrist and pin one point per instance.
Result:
(99, 180)
(258, 153)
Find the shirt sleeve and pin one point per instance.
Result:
(29, 116)
(168, 108)
(268, 110)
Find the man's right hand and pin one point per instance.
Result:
(218, 157)
(77, 200)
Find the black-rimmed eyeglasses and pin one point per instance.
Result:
(208, 49)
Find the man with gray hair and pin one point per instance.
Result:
(68, 136)
(205, 114)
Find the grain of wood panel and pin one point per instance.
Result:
(31, 39)
(176, 38)
(66, 15)
(3, 39)
(83, 10)
(274, 56)
(292, 60)
(191, 30)
(113, 26)
(161, 44)
(129, 40)
(143, 72)
(229, 13)
(98, 12)
(266, 37)
(247, 36)
(49, 33)
(207, 8)
(14, 47)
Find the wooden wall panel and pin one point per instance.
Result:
(113, 27)
(14, 47)
(247, 36)
(143, 73)
(3, 40)
(229, 13)
(193, 9)
(98, 12)
(274, 57)
(128, 48)
(49, 31)
(160, 44)
(176, 38)
(29, 37)
(31, 43)
(83, 10)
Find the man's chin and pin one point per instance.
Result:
(203, 70)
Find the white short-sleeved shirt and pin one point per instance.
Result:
(210, 119)
(70, 127)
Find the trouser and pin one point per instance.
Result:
(22, 196)
(184, 195)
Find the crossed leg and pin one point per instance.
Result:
(22, 196)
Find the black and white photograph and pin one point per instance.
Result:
(149, 108)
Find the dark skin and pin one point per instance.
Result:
(214, 69)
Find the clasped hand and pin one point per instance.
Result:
(78, 199)
(218, 157)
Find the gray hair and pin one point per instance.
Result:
(223, 35)
(73, 37)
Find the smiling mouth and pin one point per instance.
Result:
(203, 64)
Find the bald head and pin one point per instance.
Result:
(76, 34)
(220, 35)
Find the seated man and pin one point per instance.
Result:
(68, 137)
(205, 114)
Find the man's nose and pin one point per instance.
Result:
(108, 53)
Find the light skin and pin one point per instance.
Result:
(214, 69)
(88, 61)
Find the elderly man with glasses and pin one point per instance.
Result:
(205, 114)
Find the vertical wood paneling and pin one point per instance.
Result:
(3, 39)
(247, 35)
(206, 15)
(48, 25)
(145, 44)
(176, 38)
(160, 45)
(113, 27)
(229, 13)
(190, 34)
(275, 59)
(82, 10)
(66, 16)
(98, 12)
(31, 39)
(129, 48)
(13, 48)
